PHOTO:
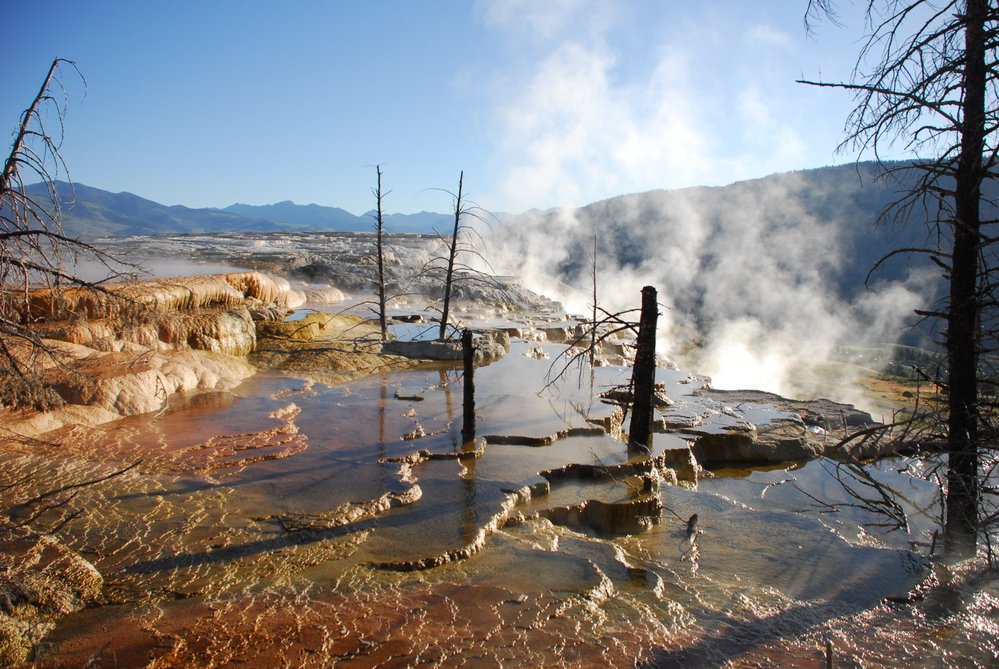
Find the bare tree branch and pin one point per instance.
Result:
(37, 259)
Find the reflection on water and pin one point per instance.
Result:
(293, 514)
(835, 494)
(414, 331)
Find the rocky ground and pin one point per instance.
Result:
(341, 260)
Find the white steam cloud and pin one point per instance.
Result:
(699, 101)
(750, 276)
(606, 98)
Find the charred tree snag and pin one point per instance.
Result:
(961, 525)
(379, 230)
(468, 388)
(593, 324)
(452, 252)
(643, 379)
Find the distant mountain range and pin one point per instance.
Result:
(790, 250)
(846, 192)
(315, 218)
(91, 212)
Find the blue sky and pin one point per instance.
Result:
(542, 103)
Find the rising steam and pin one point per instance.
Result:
(761, 281)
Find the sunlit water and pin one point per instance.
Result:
(289, 524)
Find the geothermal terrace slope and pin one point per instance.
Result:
(180, 334)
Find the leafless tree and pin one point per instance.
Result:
(640, 394)
(452, 249)
(603, 326)
(459, 243)
(38, 278)
(593, 321)
(926, 78)
(379, 233)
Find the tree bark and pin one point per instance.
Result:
(452, 252)
(381, 258)
(468, 389)
(961, 524)
(643, 379)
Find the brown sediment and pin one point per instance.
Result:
(173, 294)
(611, 422)
(426, 455)
(463, 552)
(409, 624)
(129, 348)
(326, 348)
(609, 518)
(635, 514)
(637, 509)
(209, 564)
(632, 515)
(450, 622)
(679, 461)
(108, 386)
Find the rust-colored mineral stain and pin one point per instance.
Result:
(443, 624)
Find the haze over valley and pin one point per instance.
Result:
(793, 295)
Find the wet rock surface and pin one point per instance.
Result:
(823, 413)
(802, 430)
(187, 333)
(785, 441)
(488, 346)
(41, 581)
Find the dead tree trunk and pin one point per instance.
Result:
(468, 388)
(379, 228)
(593, 324)
(961, 525)
(930, 82)
(643, 379)
(452, 252)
